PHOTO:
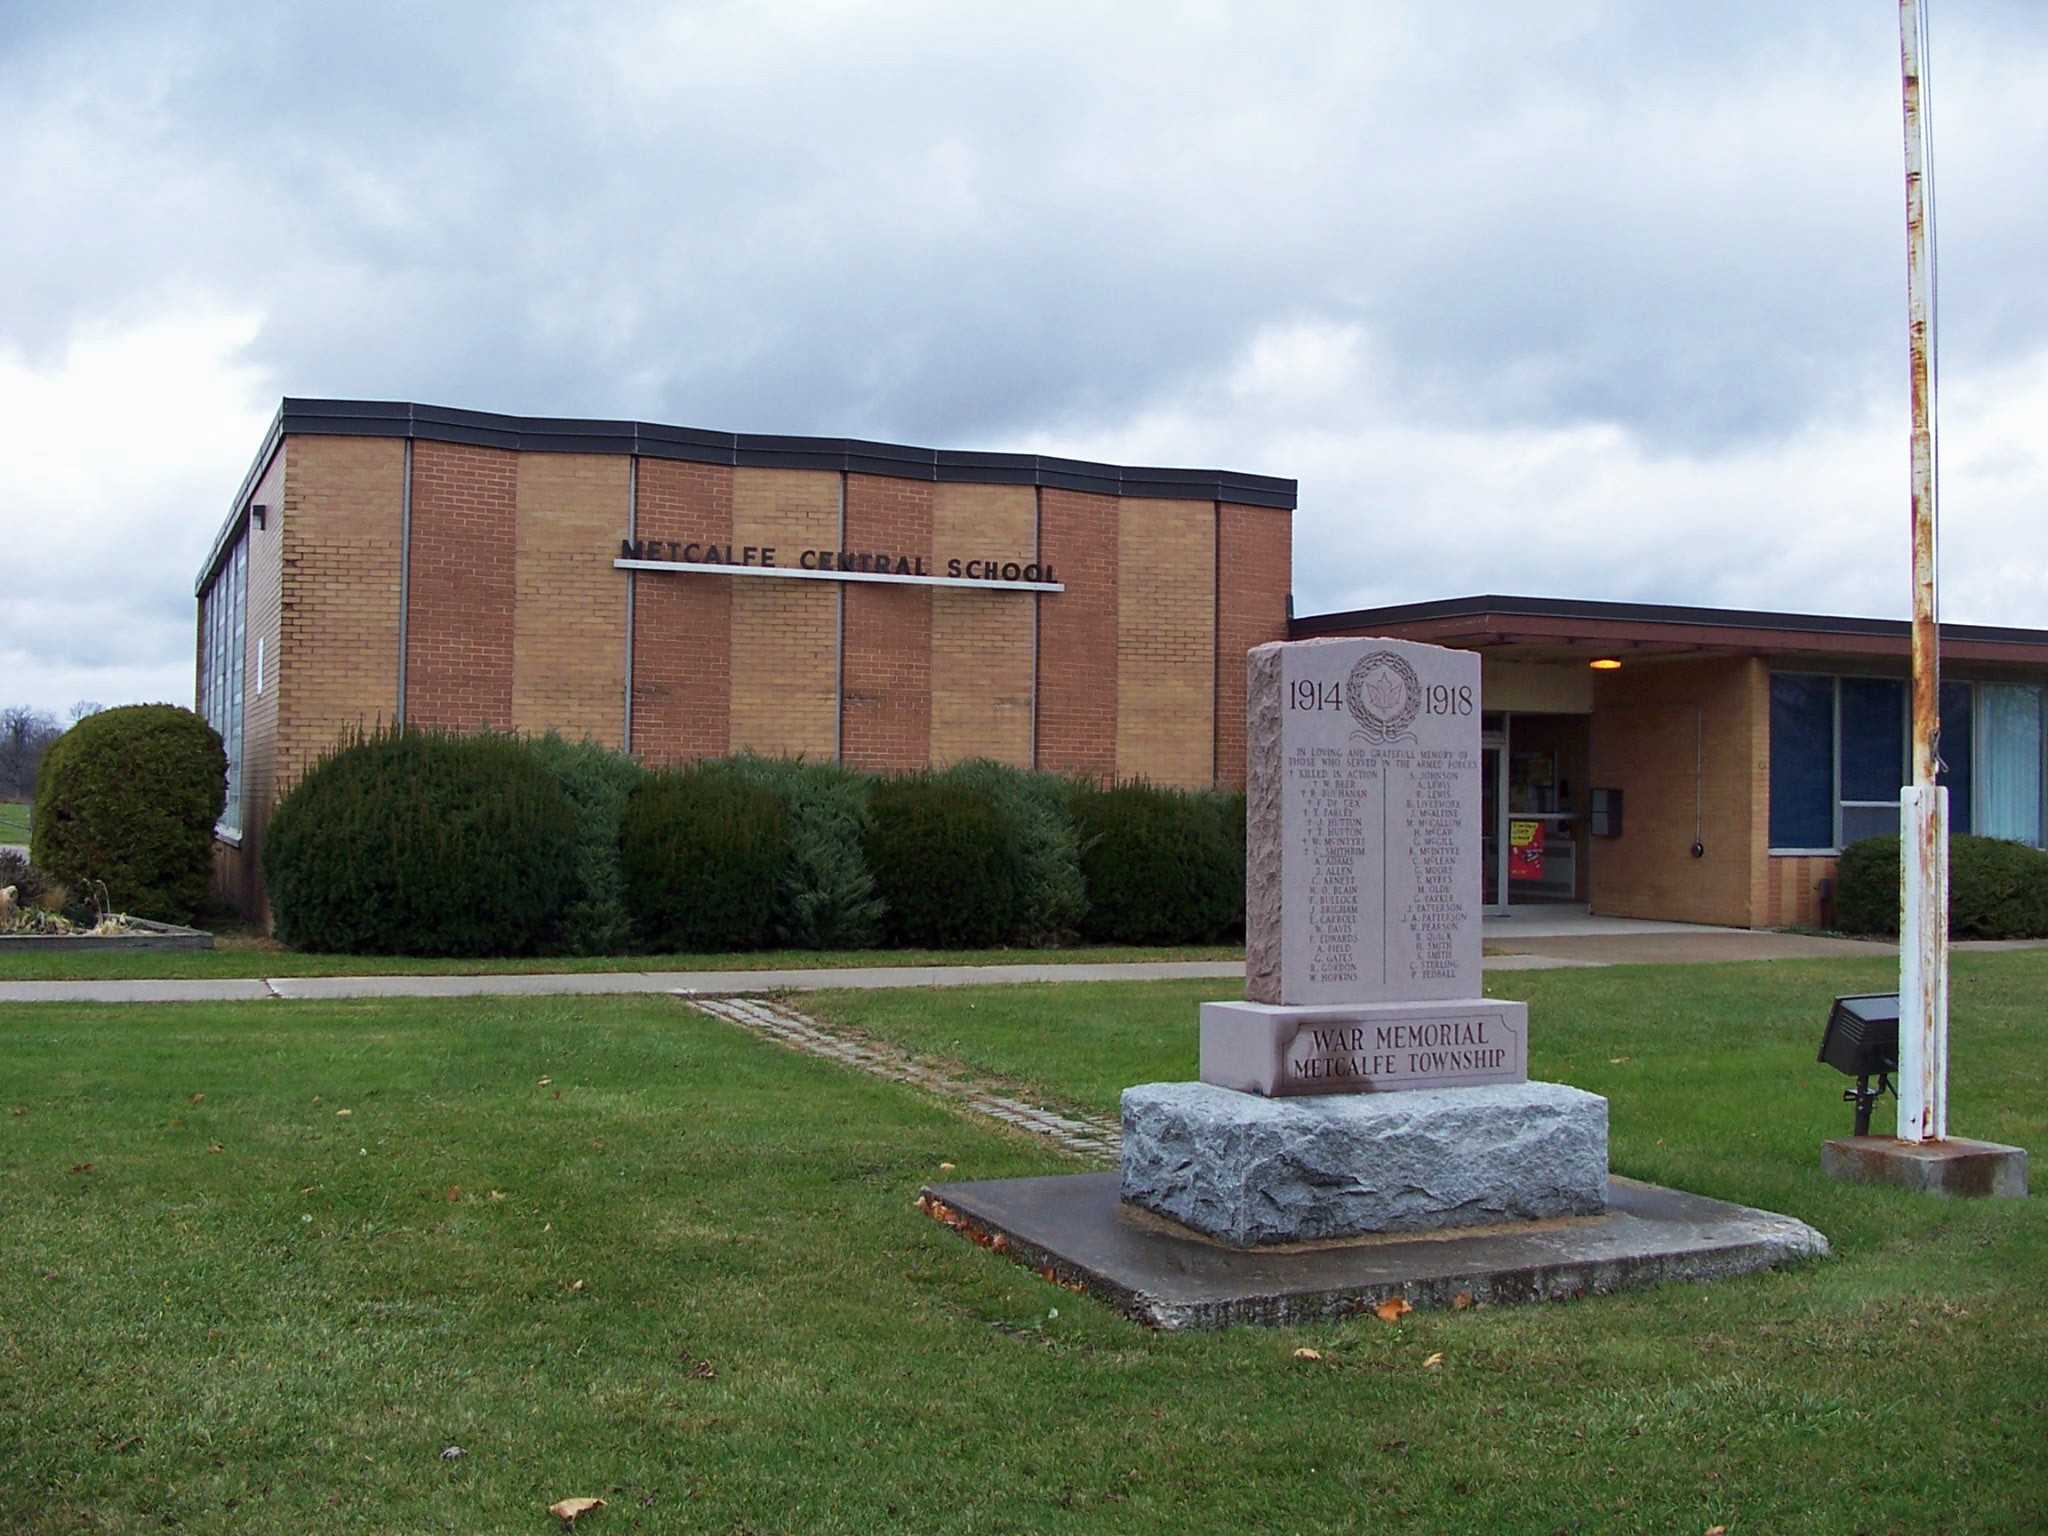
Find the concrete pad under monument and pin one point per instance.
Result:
(1364, 1124)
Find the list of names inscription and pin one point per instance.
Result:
(1379, 796)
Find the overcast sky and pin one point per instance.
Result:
(1579, 299)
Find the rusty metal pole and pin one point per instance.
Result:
(1923, 811)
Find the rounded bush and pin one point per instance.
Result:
(1996, 889)
(947, 863)
(1162, 865)
(419, 843)
(704, 854)
(128, 798)
(1867, 887)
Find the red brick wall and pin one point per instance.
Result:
(885, 699)
(1077, 634)
(682, 624)
(1254, 574)
(458, 644)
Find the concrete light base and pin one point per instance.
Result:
(1249, 1170)
(1075, 1231)
(1953, 1167)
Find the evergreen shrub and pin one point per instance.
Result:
(826, 897)
(128, 798)
(597, 782)
(1996, 889)
(415, 842)
(1163, 866)
(704, 854)
(947, 863)
(1051, 894)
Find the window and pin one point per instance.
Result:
(1840, 753)
(2008, 746)
(223, 620)
(1802, 761)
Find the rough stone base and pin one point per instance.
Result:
(1284, 1051)
(1075, 1231)
(1952, 1167)
(1249, 1170)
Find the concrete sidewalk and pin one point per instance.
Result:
(604, 983)
(1517, 943)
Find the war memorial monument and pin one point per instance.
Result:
(1364, 1126)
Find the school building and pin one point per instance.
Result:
(679, 594)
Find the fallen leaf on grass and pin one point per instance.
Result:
(1615, 1061)
(1461, 1301)
(569, 1509)
(704, 1370)
(216, 1147)
(454, 1193)
(309, 1189)
(496, 1196)
(21, 1109)
(544, 1082)
(1305, 1353)
(1717, 1530)
(943, 1167)
(197, 1098)
(453, 1453)
(343, 1114)
(1392, 1310)
(573, 1285)
(1433, 1361)
(87, 1167)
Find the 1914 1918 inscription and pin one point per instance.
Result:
(1364, 777)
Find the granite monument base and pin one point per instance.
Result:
(1074, 1231)
(1280, 1050)
(1249, 1170)
(1957, 1166)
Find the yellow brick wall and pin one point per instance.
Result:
(982, 641)
(569, 605)
(339, 531)
(785, 632)
(1166, 641)
(1650, 721)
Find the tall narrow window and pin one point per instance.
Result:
(1802, 760)
(2008, 750)
(1873, 737)
(223, 622)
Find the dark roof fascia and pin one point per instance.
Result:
(387, 418)
(1569, 610)
(232, 525)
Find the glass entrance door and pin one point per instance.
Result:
(1492, 804)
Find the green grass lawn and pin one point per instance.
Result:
(13, 822)
(702, 1293)
(242, 955)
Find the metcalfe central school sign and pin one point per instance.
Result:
(834, 565)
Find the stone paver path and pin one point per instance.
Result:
(1088, 1136)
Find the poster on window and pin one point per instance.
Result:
(1525, 850)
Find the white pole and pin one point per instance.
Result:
(1923, 809)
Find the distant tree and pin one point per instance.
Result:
(24, 733)
(85, 707)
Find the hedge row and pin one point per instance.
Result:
(424, 843)
(1996, 889)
